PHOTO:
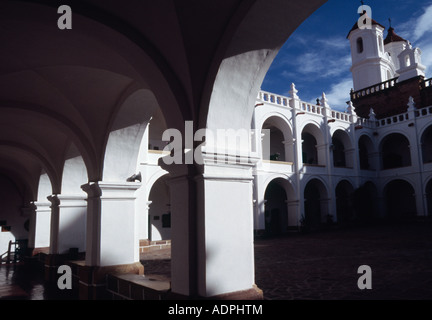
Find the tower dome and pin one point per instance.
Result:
(371, 64)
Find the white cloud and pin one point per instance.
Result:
(426, 58)
(321, 64)
(339, 94)
(333, 43)
(423, 24)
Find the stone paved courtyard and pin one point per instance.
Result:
(323, 265)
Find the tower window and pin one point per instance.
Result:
(359, 45)
(407, 61)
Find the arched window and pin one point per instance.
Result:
(395, 151)
(426, 145)
(399, 198)
(365, 149)
(315, 204)
(380, 44)
(407, 61)
(360, 45)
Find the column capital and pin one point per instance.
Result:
(72, 200)
(42, 205)
(111, 190)
(54, 200)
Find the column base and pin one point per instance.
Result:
(92, 279)
(53, 261)
(253, 293)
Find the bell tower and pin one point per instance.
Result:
(371, 64)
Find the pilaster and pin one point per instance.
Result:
(112, 243)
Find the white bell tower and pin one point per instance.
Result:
(371, 64)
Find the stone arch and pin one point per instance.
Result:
(342, 149)
(426, 145)
(316, 203)
(312, 145)
(399, 196)
(242, 60)
(74, 172)
(281, 138)
(366, 152)
(159, 224)
(395, 151)
(279, 216)
(68, 228)
(126, 136)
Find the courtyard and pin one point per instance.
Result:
(319, 265)
(323, 265)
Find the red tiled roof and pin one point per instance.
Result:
(356, 25)
(392, 36)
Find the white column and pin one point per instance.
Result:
(212, 229)
(111, 237)
(31, 213)
(294, 214)
(68, 223)
(225, 233)
(40, 225)
(183, 229)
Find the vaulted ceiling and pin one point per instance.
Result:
(63, 88)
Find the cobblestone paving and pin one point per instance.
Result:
(324, 265)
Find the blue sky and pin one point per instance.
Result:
(317, 58)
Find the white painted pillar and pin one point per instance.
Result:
(225, 229)
(298, 156)
(31, 213)
(212, 229)
(294, 214)
(40, 224)
(259, 206)
(68, 223)
(183, 229)
(111, 237)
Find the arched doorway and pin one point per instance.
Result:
(426, 145)
(399, 198)
(159, 211)
(341, 147)
(365, 147)
(280, 214)
(365, 202)
(280, 136)
(395, 150)
(344, 201)
(315, 204)
(275, 209)
(312, 138)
